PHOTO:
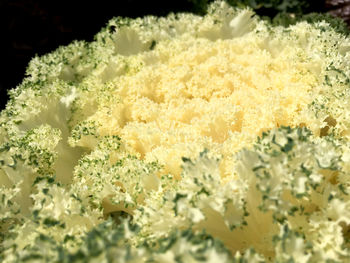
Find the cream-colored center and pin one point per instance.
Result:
(196, 94)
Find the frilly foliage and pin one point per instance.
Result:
(76, 187)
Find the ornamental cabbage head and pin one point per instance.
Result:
(186, 138)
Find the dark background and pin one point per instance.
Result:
(30, 27)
